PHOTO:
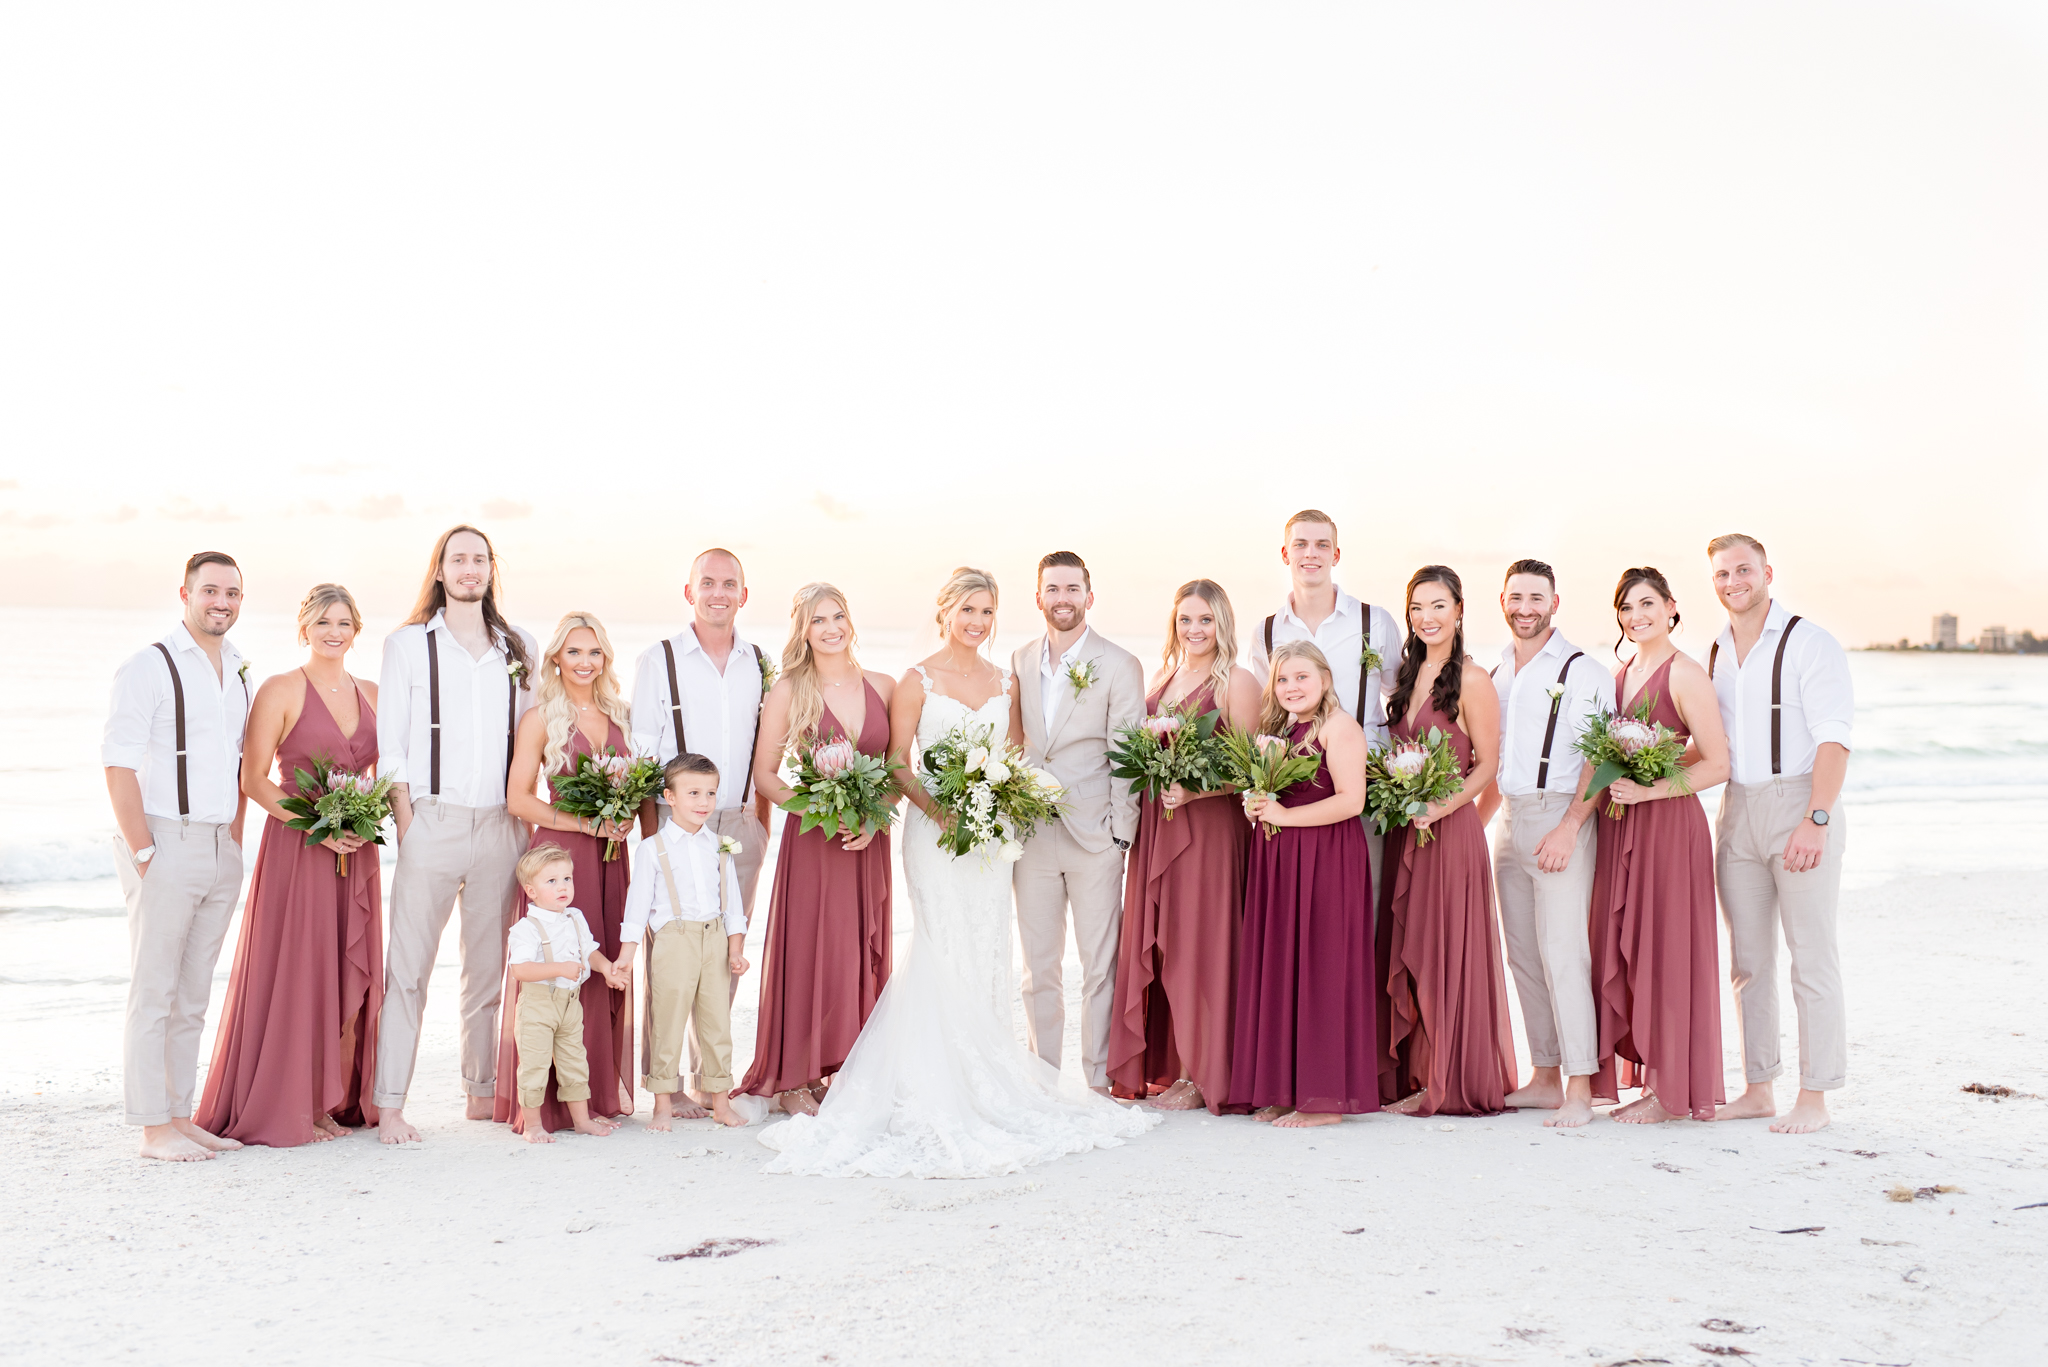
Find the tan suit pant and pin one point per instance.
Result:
(1757, 898)
(449, 853)
(178, 916)
(741, 824)
(1054, 875)
(549, 1031)
(687, 982)
(1544, 920)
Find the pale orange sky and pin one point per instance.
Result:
(868, 292)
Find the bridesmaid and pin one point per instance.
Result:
(827, 951)
(1443, 1008)
(1656, 964)
(1302, 1046)
(1176, 966)
(297, 1045)
(577, 711)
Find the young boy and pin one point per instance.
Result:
(550, 951)
(687, 893)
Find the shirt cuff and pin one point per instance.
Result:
(394, 769)
(124, 757)
(1835, 731)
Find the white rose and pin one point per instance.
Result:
(995, 771)
(976, 757)
(1011, 852)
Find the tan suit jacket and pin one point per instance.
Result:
(1074, 741)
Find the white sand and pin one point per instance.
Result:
(1383, 1240)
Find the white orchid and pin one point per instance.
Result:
(1081, 674)
(977, 756)
(242, 672)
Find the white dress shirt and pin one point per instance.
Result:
(1525, 715)
(568, 936)
(1339, 638)
(1818, 696)
(1051, 675)
(473, 696)
(721, 709)
(142, 728)
(694, 861)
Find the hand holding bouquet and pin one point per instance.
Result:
(1265, 767)
(1633, 748)
(1404, 780)
(607, 789)
(840, 789)
(1173, 747)
(991, 794)
(335, 802)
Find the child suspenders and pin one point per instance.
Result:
(675, 712)
(1364, 644)
(434, 717)
(178, 724)
(675, 906)
(1777, 686)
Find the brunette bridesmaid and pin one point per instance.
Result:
(1656, 963)
(827, 952)
(578, 711)
(1176, 967)
(1302, 1045)
(1443, 1005)
(297, 1046)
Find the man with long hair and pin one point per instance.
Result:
(456, 679)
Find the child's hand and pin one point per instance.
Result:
(619, 979)
(737, 963)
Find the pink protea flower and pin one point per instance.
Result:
(1408, 758)
(1631, 735)
(615, 765)
(1163, 728)
(834, 759)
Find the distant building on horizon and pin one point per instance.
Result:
(1945, 631)
(1995, 641)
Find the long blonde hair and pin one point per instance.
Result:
(321, 597)
(963, 583)
(1210, 592)
(1273, 718)
(552, 695)
(800, 662)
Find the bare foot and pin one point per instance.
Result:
(1181, 1096)
(393, 1128)
(163, 1142)
(1644, 1110)
(535, 1134)
(722, 1111)
(1543, 1092)
(595, 1126)
(219, 1143)
(1808, 1113)
(1407, 1105)
(1306, 1120)
(1266, 1115)
(1758, 1101)
(659, 1120)
(683, 1108)
(1574, 1112)
(475, 1108)
(335, 1129)
(798, 1102)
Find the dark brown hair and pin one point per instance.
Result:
(1070, 561)
(1445, 690)
(1641, 574)
(209, 558)
(1531, 567)
(434, 595)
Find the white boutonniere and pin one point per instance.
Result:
(516, 672)
(1081, 674)
(1554, 692)
(242, 672)
(769, 672)
(1370, 658)
(728, 845)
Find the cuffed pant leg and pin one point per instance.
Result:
(572, 1062)
(535, 1033)
(711, 1012)
(672, 990)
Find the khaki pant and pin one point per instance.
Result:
(550, 1032)
(178, 916)
(449, 852)
(1054, 875)
(687, 981)
(1757, 897)
(1544, 920)
(741, 825)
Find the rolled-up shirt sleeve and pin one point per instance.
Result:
(735, 905)
(131, 714)
(1827, 694)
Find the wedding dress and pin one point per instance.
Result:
(938, 1085)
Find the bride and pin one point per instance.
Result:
(937, 1085)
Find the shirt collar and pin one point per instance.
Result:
(1347, 606)
(180, 637)
(533, 909)
(673, 832)
(1774, 620)
(1071, 653)
(686, 640)
(439, 622)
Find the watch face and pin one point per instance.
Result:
(1818, 816)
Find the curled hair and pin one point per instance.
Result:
(964, 582)
(321, 597)
(1274, 719)
(1445, 690)
(1641, 574)
(1210, 592)
(434, 595)
(553, 695)
(539, 857)
(800, 662)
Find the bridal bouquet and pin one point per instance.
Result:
(333, 801)
(1266, 766)
(839, 788)
(993, 796)
(1631, 747)
(1173, 747)
(606, 787)
(1403, 779)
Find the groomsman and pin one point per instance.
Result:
(1075, 690)
(173, 756)
(1342, 627)
(1543, 861)
(456, 679)
(1787, 703)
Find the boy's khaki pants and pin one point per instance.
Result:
(686, 978)
(550, 1031)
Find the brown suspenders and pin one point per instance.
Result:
(1777, 687)
(1550, 728)
(675, 709)
(434, 716)
(178, 700)
(1364, 644)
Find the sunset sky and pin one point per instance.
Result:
(869, 291)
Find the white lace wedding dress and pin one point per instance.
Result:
(938, 1085)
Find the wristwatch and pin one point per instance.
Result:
(143, 855)
(1120, 844)
(1818, 816)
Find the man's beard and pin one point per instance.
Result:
(1542, 625)
(457, 595)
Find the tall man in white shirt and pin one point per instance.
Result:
(173, 756)
(1342, 627)
(1787, 703)
(1075, 691)
(1543, 859)
(455, 682)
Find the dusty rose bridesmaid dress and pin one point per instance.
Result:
(825, 958)
(1176, 966)
(1443, 1001)
(607, 1015)
(298, 1033)
(1656, 963)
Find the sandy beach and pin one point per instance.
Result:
(1383, 1240)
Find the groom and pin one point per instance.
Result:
(1075, 691)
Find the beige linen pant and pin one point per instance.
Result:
(741, 824)
(549, 1030)
(448, 853)
(178, 916)
(687, 981)
(1055, 874)
(1544, 919)
(1757, 897)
